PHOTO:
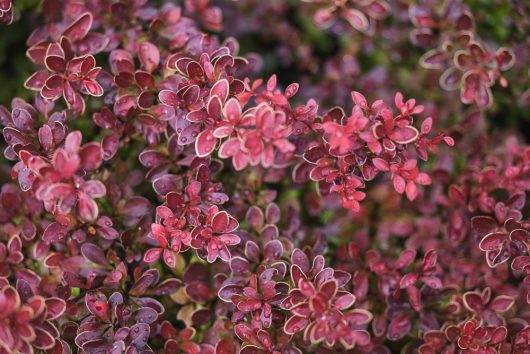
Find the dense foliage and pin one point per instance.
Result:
(254, 177)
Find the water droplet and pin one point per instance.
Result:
(183, 139)
(194, 134)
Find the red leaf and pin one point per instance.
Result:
(55, 307)
(404, 135)
(295, 324)
(96, 302)
(502, 303)
(492, 241)
(473, 301)
(79, 28)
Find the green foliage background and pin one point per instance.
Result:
(14, 66)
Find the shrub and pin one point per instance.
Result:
(248, 177)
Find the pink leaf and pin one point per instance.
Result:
(220, 89)
(152, 255)
(205, 143)
(149, 56)
(356, 18)
(408, 280)
(399, 184)
(87, 208)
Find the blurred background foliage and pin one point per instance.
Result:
(14, 66)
